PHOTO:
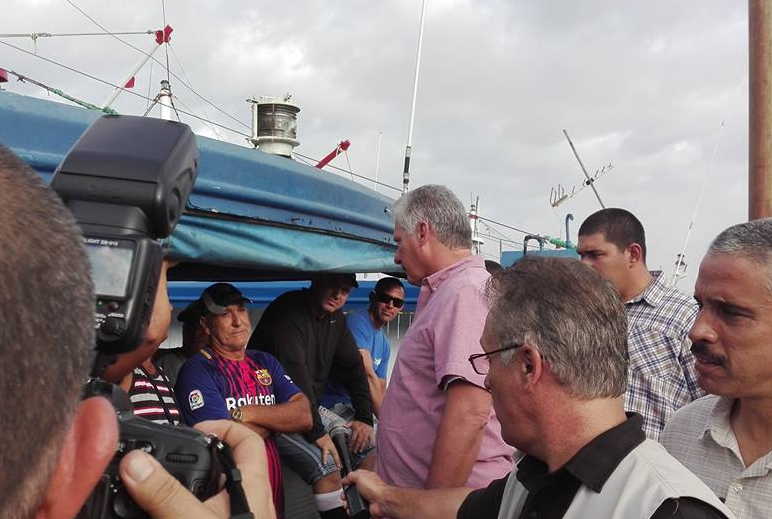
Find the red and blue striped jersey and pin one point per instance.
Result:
(209, 387)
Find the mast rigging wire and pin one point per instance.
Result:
(85, 74)
(169, 72)
(697, 204)
(166, 49)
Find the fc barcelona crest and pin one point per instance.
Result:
(264, 377)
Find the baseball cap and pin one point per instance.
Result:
(217, 297)
(336, 279)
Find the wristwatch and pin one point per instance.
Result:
(237, 414)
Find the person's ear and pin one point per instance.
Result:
(204, 326)
(87, 448)
(422, 230)
(636, 253)
(532, 364)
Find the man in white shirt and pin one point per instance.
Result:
(726, 438)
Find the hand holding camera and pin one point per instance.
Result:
(163, 497)
(126, 181)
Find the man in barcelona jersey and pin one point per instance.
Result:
(224, 381)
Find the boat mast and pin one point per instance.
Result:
(161, 37)
(760, 109)
(409, 147)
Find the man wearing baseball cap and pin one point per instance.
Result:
(223, 380)
(306, 330)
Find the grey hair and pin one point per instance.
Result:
(573, 317)
(752, 240)
(437, 206)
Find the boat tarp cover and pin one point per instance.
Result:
(248, 211)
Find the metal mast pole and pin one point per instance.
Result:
(409, 147)
(590, 182)
(760, 109)
(378, 161)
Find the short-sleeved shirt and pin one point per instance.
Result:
(152, 398)
(446, 330)
(701, 437)
(369, 338)
(551, 494)
(210, 386)
(661, 377)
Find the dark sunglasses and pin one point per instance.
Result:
(384, 298)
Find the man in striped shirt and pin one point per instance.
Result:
(148, 386)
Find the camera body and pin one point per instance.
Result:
(196, 460)
(126, 181)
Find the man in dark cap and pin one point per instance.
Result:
(223, 380)
(306, 330)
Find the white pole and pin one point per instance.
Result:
(378, 160)
(165, 100)
(409, 147)
(110, 100)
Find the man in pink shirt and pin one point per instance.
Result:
(437, 427)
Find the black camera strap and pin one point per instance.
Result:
(238, 499)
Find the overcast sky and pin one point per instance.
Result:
(645, 86)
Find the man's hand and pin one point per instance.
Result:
(163, 497)
(372, 489)
(361, 436)
(328, 448)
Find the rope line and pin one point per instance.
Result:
(169, 72)
(94, 78)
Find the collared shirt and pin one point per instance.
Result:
(701, 437)
(661, 376)
(446, 330)
(550, 494)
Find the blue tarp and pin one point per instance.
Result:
(511, 257)
(248, 210)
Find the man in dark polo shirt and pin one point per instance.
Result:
(306, 331)
(555, 360)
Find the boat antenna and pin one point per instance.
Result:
(590, 181)
(409, 147)
(679, 271)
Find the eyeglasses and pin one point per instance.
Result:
(384, 298)
(480, 361)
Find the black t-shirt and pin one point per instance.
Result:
(314, 347)
(550, 494)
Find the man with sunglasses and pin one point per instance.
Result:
(386, 301)
(555, 361)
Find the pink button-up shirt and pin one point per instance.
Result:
(449, 320)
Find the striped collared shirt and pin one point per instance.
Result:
(152, 398)
(661, 377)
(701, 437)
